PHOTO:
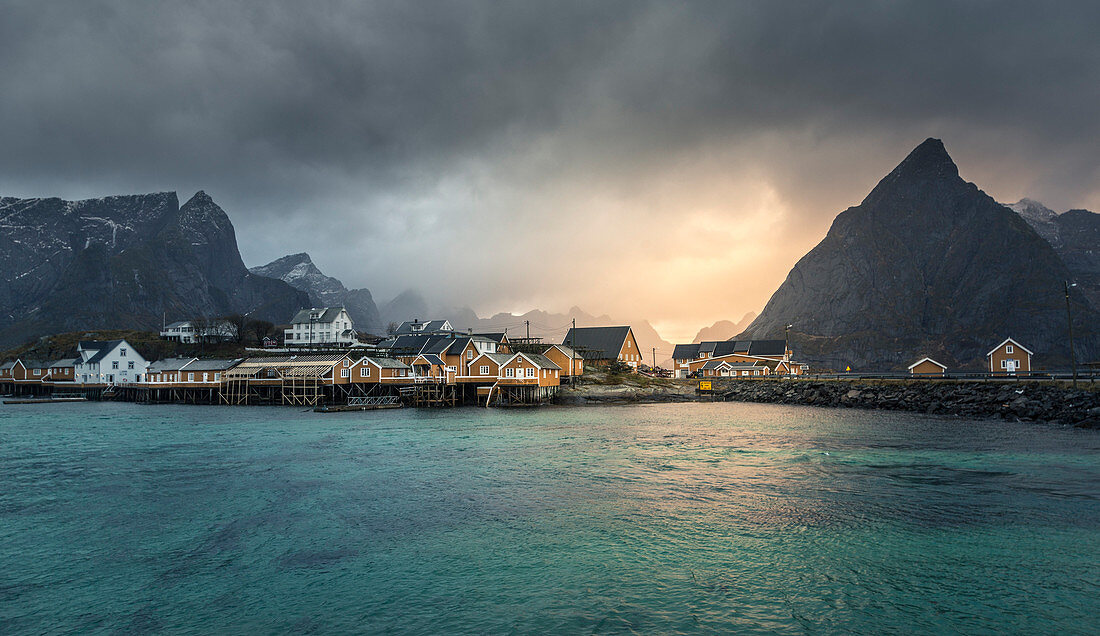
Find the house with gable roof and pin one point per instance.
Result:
(600, 346)
(108, 362)
(1009, 358)
(321, 326)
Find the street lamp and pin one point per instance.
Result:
(1069, 325)
(787, 346)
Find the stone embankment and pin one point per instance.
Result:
(1057, 404)
(1008, 400)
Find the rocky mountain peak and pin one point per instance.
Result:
(927, 173)
(928, 264)
(1041, 218)
(298, 271)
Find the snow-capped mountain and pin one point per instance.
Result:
(298, 271)
(125, 262)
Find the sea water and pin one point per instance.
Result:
(691, 518)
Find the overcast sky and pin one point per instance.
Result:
(663, 160)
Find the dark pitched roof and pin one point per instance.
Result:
(767, 348)
(103, 348)
(328, 314)
(212, 365)
(406, 344)
(386, 363)
(685, 352)
(495, 337)
(67, 362)
(432, 358)
(169, 364)
(597, 343)
(411, 327)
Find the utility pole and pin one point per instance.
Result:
(1069, 324)
(527, 323)
(654, 357)
(572, 356)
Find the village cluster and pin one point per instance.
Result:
(420, 363)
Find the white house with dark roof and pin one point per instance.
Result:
(109, 362)
(321, 326)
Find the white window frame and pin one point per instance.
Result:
(483, 370)
(509, 372)
(364, 371)
(345, 373)
(531, 372)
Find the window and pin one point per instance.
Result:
(130, 364)
(217, 377)
(190, 377)
(346, 363)
(289, 336)
(122, 353)
(1008, 349)
(37, 371)
(452, 369)
(530, 372)
(1004, 364)
(364, 372)
(484, 369)
(345, 373)
(509, 373)
(469, 354)
(114, 365)
(205, 377)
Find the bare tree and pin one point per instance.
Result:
(391, 328)
(239, 326)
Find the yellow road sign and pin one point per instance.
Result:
(704, 385)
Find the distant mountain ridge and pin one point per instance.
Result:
(298, 271)
(724, 329)
(127, 261)
(927, 264)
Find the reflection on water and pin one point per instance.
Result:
(677, 518)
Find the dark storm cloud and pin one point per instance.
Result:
(345, 124)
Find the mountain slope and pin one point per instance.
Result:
(927, 264)
(298, 271)
(125, 262)
(1075, 236)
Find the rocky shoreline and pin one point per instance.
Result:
(1051, 403)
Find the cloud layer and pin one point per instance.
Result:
(663, 160)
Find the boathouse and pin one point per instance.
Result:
(927, 367)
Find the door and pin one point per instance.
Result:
(1010, 366)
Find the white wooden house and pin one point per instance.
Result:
(320, 326)
(109, 362)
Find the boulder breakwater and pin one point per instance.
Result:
(1052, 403)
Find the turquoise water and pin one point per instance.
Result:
(697, 518)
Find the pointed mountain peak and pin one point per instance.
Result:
(200, 198)
(929, 159)
(926, 173)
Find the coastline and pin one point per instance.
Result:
(1027, 401)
